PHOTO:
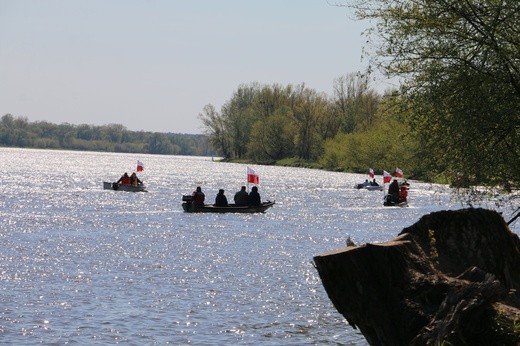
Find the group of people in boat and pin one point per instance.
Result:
(129, 180)
(397, 192)
(241, 198)
(367, 183)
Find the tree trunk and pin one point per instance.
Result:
(451, 278)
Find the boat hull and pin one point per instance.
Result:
(119, 187)
(373, 188)
(209, 208)
(388, 202)
(400, 204)
(364, 186)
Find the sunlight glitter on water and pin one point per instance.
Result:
(103, 266)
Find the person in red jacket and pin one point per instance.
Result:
(403, 192)
(124, 180)
(198, 197)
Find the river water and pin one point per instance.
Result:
(83, 265)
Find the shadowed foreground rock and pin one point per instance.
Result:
(453, 278)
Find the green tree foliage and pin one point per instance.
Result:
(239, 117)
(458, 62)
(272, 140)
(18, 132)
(307, 107)
(387, 144)
(355, 104)
(159, 143)
(270, 123)
(215, 129)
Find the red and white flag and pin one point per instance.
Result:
(252, 177)
(371, 173)
(387, 177)
(140, 166)
(398, 173)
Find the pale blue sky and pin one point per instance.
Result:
(153, 65)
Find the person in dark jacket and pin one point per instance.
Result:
(393, 190)
(221, 199)
(241, 197)
(254, 196)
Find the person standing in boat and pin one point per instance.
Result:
(221, 199)
(124, 180)
(134, 180)
(254, 197)
(241, 197)
(198, 197)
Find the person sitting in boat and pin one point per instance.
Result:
(241, 197)
(124, 180)
(254, 196)
(393, 191)
(134, 180)
(374, 183)
(198, 197)
(221, 199)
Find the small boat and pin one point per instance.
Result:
(399, 198)
(120, 187)
(231, 208)
(399, 204)
(389, 202)
(368, 186)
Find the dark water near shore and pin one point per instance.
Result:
(83, 265)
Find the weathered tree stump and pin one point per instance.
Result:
(451, 278)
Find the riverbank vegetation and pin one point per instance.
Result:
(351, 131)
(19, 132)
(454, 119)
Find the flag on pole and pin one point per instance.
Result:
(140, 166)
(387, 177)
(371, 173)
(398, 173)
(252, 177)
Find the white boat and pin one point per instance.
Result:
(120, 187)
(368, 186)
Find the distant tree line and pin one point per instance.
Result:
(19, 132)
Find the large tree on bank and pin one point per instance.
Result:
(459, 63)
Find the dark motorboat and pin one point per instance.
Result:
(388, 202)
(231, 208)
(399, 198)
(121, 187)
